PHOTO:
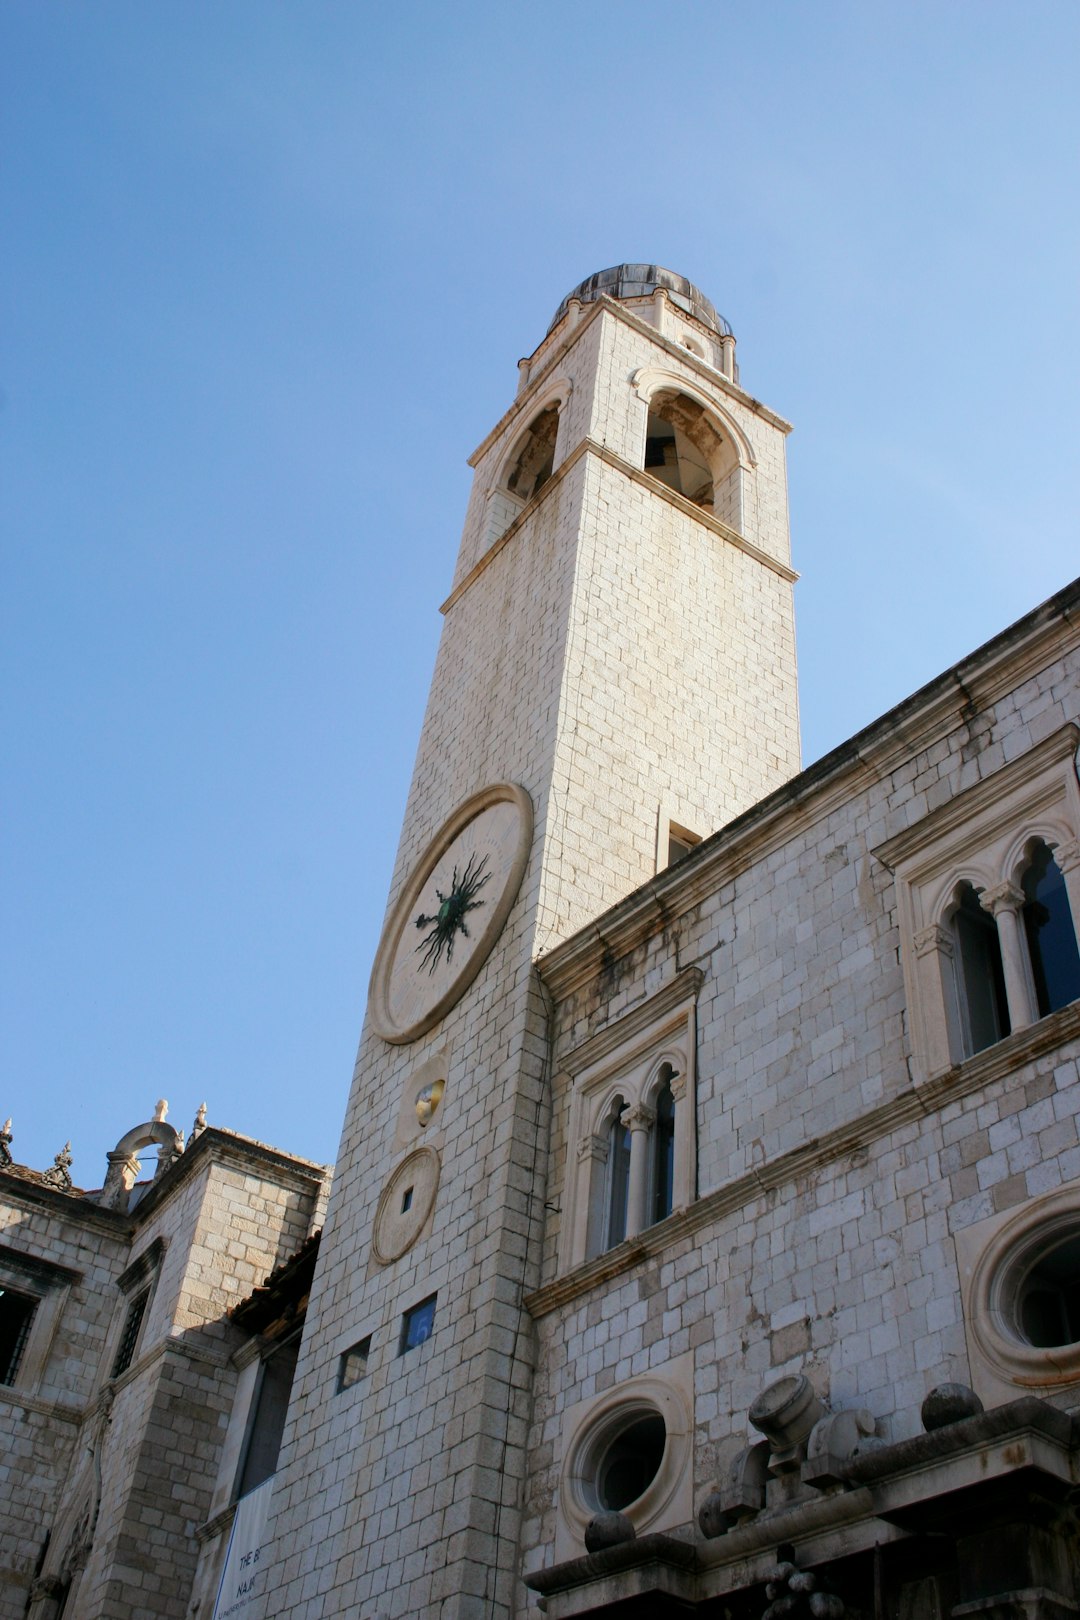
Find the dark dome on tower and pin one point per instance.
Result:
(641, 281)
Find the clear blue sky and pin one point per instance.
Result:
(268, 269)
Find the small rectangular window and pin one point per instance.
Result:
(130, 1336)
(416, 1324)
(16, 1314)
(680, 842)
(353, 1364)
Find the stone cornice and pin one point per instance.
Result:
(913, 725)
(963, 807)
(57, 1410)
(683, 988)
(638, 476)
(986, 1067)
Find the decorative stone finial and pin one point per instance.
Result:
(160, 1111)
(949, 1403)
(608, 1530)
(200, 1121)
(5, 1144)
(58, 1175)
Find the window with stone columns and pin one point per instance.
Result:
(988, 892)
(632, 1123)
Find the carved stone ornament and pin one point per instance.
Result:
(58, 1174)
(5, 1144)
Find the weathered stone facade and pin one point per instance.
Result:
(618, 641)
(705, 1236)
(115, 1441)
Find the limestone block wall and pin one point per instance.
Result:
(41, 1412)
(834, 1193)
(135, 1459)
(679, 689)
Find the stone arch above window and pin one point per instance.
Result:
(988, 896)
(632, 1125)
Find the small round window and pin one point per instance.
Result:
(630, 1463)
(621, 1458)
(1047, 1300)
(1022, 1290)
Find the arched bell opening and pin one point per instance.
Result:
(686, 450)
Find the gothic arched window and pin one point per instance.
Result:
(661, 1200)
(618, 1179)
(1051, 937)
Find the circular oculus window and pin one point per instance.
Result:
(1025, 1294)
(628, 1456)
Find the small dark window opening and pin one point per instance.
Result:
(267, 1422)
(680, 842)
(130, 1337)
(16, 1314)
(981, 972)
(1049, 1303)
(417, 1324)
(618, 1186)
(631, 1463)
(406, 1200)
(1051, 937)
(353, 1364)
(664, 1151)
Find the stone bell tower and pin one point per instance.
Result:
(616, 679)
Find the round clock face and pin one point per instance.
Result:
(450, 912)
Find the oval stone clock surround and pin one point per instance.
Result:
(450, 912)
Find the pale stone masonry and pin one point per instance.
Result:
(108, 1472)
(705, 1233)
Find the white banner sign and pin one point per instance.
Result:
(245, 1561)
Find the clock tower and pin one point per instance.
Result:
(616, 680)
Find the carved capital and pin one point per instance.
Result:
(677, 1087)
(639, 1118)
(1003, 897)
(1067, 855)
(592, 1147)
(933, 940)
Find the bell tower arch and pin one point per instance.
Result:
(617, 648)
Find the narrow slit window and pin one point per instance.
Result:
(982, 977)
(663, 1152)
(130, 1337)
(618, 1187)
(16, 1315)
